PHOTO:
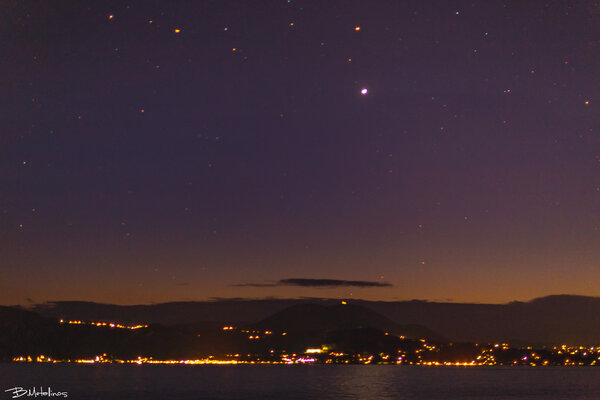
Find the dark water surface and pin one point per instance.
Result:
(111, 381)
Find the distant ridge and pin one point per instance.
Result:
(556, 319)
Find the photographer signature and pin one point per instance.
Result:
(19, 391)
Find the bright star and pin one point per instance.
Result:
(364, 91)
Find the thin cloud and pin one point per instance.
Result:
(318, 283)
(256, 284)
(331, 283)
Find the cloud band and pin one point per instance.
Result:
(324, 283)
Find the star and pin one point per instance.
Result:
(364, 91)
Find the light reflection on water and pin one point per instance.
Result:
(304, 382)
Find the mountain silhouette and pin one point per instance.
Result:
(556, 319)
(306, 318)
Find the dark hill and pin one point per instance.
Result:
(557, 319)
(229, 311)
(308, 318)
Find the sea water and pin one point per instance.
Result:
(111, 381)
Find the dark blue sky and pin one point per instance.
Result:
(170, 150)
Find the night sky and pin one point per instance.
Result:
(157, 151)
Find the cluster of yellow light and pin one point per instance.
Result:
(40, 358)
(286, 359)
(144, 360)
(97, 359)
(576, 349)
(296, 359)
(534, 359)
(313, 351)
(43, 359)
(451, 364)
(299, 360)
(254, 334)
(141, 360)
(365, 360)
(107, 324)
